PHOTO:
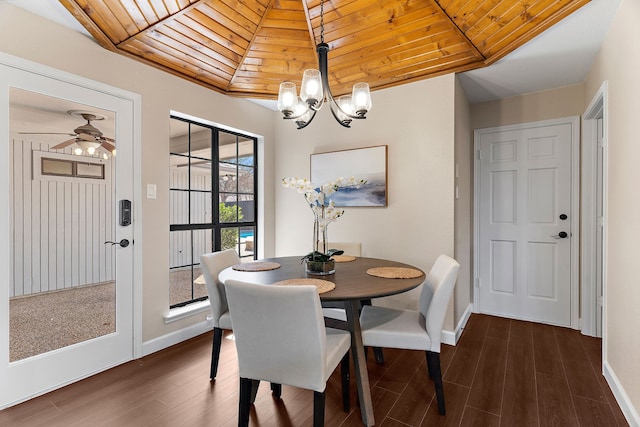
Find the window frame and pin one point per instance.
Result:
(215, 226)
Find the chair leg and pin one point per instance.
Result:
(429, 367)
(276, 390)
(377, 351)
(318, 409)
(215, 352)
(245, 402)
(254, 390)
(433, 365)
(346, 377)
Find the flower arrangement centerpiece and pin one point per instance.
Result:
(318, 197)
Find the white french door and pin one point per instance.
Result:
(525, 222)
(36, 374)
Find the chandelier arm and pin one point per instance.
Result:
(302, 125)
(318, 106)
(323, 50)
(292, 117)
(346, 123)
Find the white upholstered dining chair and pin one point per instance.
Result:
(212, 264)
(349, 248)
(281, 338)
(416, 330)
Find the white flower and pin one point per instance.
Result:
(319, 200)
(319, 195)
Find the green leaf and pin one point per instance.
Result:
(319, 256)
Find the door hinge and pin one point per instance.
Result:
(480, 154)
(478, 282)
(600, 221)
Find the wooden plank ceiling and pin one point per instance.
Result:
(248, 47)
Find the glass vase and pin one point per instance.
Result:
(320, 233)
(320, 268)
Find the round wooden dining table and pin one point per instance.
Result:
(352, 285)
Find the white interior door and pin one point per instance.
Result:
(27, 377)
(525, 222)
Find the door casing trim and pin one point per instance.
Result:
(598, 107)
(136, 103)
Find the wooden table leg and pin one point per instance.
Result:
(359, 361)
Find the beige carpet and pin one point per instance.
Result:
(52, 320)
(179, 286)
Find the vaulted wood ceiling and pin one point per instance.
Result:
(248, 47)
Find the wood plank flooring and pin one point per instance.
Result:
(502, 373)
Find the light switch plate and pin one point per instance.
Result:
(151, 191)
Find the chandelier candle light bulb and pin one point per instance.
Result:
(361, 99)
(287, 98)
(311, 89)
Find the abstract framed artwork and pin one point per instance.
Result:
(369, 163)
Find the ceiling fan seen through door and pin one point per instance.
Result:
(88, 137)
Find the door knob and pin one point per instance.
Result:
(561, 235)
(123, 243)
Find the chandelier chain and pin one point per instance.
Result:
(322, 21)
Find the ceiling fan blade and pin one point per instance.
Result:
(64, 144)
(108, 139)
(108, 146)
(46, 133)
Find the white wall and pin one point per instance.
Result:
(463, 292)
(618, 62)
(59, 224)
(551, 104)
(416, 122)
(33, 38)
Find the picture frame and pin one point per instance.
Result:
(368, 163)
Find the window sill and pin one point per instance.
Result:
(179, 313)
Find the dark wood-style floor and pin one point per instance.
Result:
(502, 373)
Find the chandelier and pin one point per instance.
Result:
(315, 91)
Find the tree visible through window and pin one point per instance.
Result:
(212, 202)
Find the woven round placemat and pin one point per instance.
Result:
(322, 285)
(394, 272)
(343, 258)
(256, 266)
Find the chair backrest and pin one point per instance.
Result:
(435, 296)
(212, 264)
(279, 332)
(349, 248)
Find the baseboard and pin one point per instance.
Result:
(157, 344)
(174, 338)
(630, 413)
(452, 337)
